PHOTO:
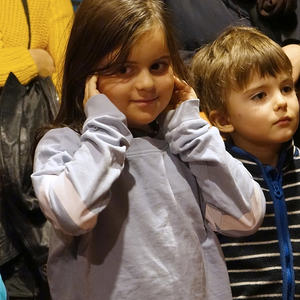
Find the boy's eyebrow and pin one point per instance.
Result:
(288, 79)
(252, 89)
(260, 86)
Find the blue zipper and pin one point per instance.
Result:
(286, 256)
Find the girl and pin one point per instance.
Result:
(130, 172)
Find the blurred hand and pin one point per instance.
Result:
(293, 53)
(90, 88)
(43, 61)
(182, 92)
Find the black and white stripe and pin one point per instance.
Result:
(254, 262)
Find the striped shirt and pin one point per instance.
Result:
(266, 265)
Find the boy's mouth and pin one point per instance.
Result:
(283, 120)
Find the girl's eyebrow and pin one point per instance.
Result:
(168, 57)
(164, 57)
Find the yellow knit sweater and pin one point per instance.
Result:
(50, 26)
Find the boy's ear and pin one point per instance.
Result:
(221, 120)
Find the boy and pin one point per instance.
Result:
(244, 81)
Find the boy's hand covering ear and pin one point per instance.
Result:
(90, 88)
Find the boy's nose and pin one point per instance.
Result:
(280, 102)
(144, 81)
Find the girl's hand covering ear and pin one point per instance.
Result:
(90, 88)
(182, 92)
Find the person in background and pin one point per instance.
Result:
(49, 29)
(50, 23)
(244, 80)
(132, 179)
(200, 22)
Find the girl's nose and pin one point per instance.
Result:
(145, 81)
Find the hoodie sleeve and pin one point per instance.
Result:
(233, 202)
(73, 173)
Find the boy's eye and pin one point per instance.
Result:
(287, 89)
(259, 96)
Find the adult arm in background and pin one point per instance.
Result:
(49, 38)
(60, 23)
(293, 52)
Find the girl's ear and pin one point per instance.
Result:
(221, 120)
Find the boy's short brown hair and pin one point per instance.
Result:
(229, 62)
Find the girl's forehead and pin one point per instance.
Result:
(152, 40)
(149, 43)
(109, 58)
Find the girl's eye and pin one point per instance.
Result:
(259, 96)
(159, 67)
(125, 70)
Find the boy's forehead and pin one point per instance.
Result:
(254, 76)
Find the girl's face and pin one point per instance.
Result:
(143, 86)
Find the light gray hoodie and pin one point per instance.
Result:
(134, 217)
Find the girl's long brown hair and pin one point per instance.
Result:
(102, 27)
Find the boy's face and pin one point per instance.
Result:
(265, 113)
